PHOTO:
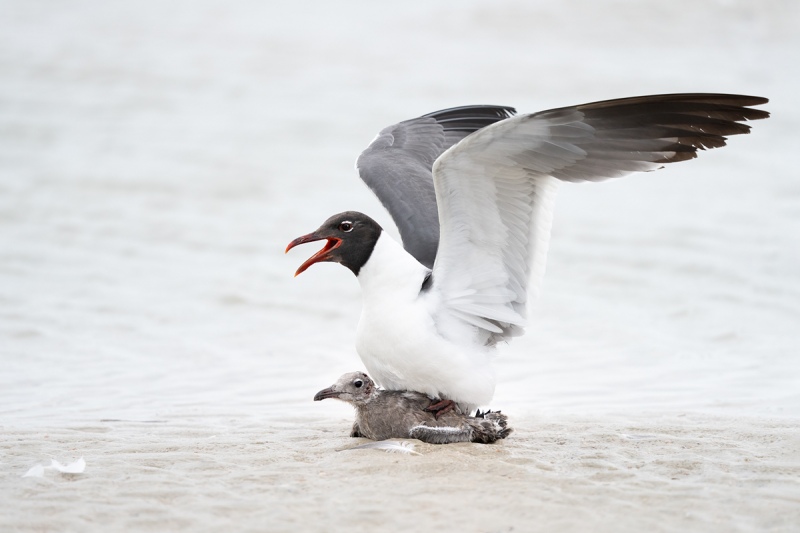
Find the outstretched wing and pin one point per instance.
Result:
(397, 167)
(495, 189)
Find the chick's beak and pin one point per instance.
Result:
(322, 255)
(326, 393)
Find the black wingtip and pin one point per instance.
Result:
(472, 117)
(477, 111)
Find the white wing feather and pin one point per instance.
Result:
(496, 192)
(389, 446)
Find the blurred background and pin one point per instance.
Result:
(157, 157)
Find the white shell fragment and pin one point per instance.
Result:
(75, 467)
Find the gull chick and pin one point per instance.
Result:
(382, 414)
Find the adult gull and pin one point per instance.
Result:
(471, 190)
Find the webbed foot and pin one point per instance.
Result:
(440, 407)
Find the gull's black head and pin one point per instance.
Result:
(351, 238)
(355, 387)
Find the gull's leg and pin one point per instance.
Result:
(440, 407)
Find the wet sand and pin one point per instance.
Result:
(660, 473)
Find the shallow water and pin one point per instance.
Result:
(155, 162)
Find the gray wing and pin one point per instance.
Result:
(495, 189)
(397, 167)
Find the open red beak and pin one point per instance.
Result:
(322, 255)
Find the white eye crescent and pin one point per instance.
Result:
(357, 383)
(346, 226)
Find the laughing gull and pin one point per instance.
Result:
(384, 415)
(471, 190)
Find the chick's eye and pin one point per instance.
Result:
(346, 226)
(357, 383)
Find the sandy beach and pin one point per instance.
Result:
(663, 472)
(156, 159)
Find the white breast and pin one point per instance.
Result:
(401, 345)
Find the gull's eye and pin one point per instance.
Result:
(346, 226)
(357, 383)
